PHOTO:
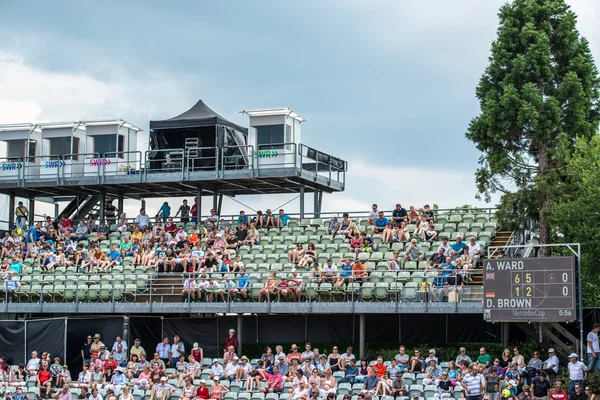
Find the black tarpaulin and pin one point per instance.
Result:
(200, 115)
(12, 341)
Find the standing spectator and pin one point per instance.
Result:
(21, 212)
(164, 350)
(473, 383)
(142, 219)
(97, 344)
(138, 349)
(577, 371)
(492, 384)
(164, 212)
(540, 386)
(194, 211)
(184, 210)
(593, 348)
(558, 393)
(86, 349)
(551, 364)
(231, 341)
(110, 212)
(119, 340)
(177, 350)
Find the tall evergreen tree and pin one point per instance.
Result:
(539, 92)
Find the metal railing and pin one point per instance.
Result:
(124, 163)
(150, 287)
(202, 159)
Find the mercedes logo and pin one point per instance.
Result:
(551, 278)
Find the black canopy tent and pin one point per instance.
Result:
(209, 128)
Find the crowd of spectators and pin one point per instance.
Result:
(117, 371)
(211, 245)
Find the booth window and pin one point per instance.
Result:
(105, 144)
(121, 145)
(269, 137)
(61, 146)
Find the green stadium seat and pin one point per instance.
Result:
(381, 291)
(367, 291)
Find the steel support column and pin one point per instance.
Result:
(301, 201)
(220, 204)
(215, 201)
(504, 327)
(198, 204)
(102, 205)
(11, 210)
(31, 214)
(240, 327)
(144, 204)
(361, 336)
(120, 204)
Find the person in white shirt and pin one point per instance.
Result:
(373, 214)
(95, 395)
(33, 365)
(216, 370)
(231, 368)
(298, 379)
(119, 340)
(164, 350)
(474, 251)
(329, 270)
(593, 349)
(308, 354)
(177, 349)
(143, 219)
(551, 364)
(577, 371)
(161, 391)
(301, 392)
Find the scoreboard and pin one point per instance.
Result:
(529, 289)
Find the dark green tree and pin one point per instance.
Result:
(539, 92)
(576, 215)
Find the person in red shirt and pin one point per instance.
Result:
(194, 210)
(379, 367)
(110, 363)
(202, 392)
(170, 227)
(231, 341)
(558, 393)
(44, 378)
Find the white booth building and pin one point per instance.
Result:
(274, 137)
(21, 151)
(112, 145)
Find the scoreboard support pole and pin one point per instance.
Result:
(574, 248)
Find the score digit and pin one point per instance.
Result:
(517, 278)
(528, 278)
(565, 277)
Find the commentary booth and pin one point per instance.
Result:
(202, 135)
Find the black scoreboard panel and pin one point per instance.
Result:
(529, 289)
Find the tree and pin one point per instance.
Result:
(576, 216)
(539, 92)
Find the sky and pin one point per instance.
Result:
(388, 86)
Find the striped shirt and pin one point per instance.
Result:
(473, 383)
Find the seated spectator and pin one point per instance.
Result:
(295, 255)
(82, 231)
(217, 390)
(399, 215)
(373, 214)
(402, 359)
(414, 252)
(359, 271)
(370, 384)
(416, 361)
(384, 387)
(458, 248)
(398, 386)
(428, 213)
(329, 271)
(473, 251)
(162, 390)
(33, 365)
(551, 364)
(351, 372)
(334, 226)
(269, 290)
(402, 234)
(430, 234)
(433, 371)
(379, 367)
(436, 260)
(389, 233)
(283, 218)
(413, 215)
(309, 256)
(422, 226)
(445, 388)
(44, 380)
(379, 224)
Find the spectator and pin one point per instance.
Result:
(414, 252)
(162, 390)
(11, 285)
(459, 248)
(217, 390)
(334, 226)
(138, 349)
(593, 349)
(492, 384)
(216, 370)
(44, 380)
(231, 340)
(484, 358)
(282, 218)
(184, 211)
(540, 386)
(416, 361)
(82, 231)
(428, 213)
(433, 371)
(212, 219)
(370, 384)
(398, 386)
(577, 372)
(142, 220)
(163, 349)
(177, 350)
(462, 356)
(534, 367)
(194, 211)
(359, 271)
(474, 384)
(22, 213)
(578, 394)
(379, 224)
(551, 364)
(474, 251)
(559, 393)
(399, 215)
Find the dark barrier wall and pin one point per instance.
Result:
(12, 341)
(79, 329)
(190, 330)
(46, 335)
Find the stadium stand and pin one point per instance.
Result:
(262, 259)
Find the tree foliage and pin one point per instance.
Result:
(576, 216)
(539, 92)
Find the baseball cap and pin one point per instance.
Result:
(216, 378)
(551, 350)
(512, 382)
(164, 378)
(202, 381)
(232, 330)
(236, 358)
(572, 355)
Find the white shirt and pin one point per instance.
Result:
(446, 249)
(576, 370)
(163, 350)
(593, 337)
(374, 213)
(474, 248)
(327, 268)
(296, 381)
(33, 364)
(552, 360)
(123, 343)
(177, 349)
(473, 383)
(217, 369)
(142, 220)
(231, 368)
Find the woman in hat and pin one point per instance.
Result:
(217, 390)
(294, 353)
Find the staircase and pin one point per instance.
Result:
(552, 334)
(165, 289)
(82, 206)
(501, 239)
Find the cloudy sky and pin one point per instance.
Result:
(387, 85)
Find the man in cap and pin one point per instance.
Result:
(551, 364)
(137, 349)
(216, 370)
(96, 344)
(231, 341)
(577, 372)
(231, 368)
(162, 390)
